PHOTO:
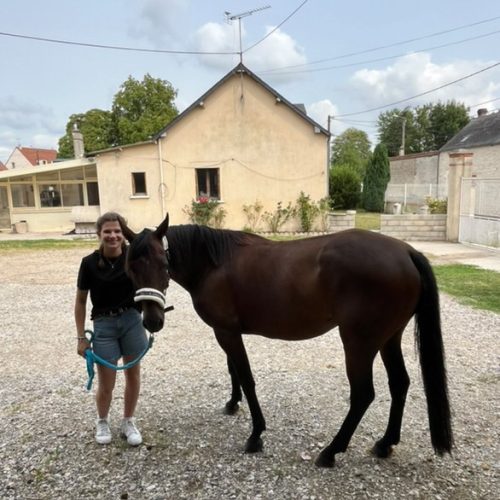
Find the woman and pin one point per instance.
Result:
(118, 330)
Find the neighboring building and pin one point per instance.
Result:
(28, 157)
(473, 156)
(465, 171)
(2, 167)
(239, 143)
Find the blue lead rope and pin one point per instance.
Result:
(91, 358)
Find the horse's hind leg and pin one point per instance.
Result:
(398, 385)
(359, 364)
(232, 343)
(231, 406)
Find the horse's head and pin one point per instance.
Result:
(147, 267)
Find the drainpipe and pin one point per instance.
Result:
(162, 183)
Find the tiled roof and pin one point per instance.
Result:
(2, 166)
(481, 131)
(35, 155)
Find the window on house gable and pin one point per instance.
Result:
(207, 183)
(139, 183)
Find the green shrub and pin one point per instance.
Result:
(253, 214)
(275, 220)
(436, 206)
(307, 211)
(206, 212)
(345, 187)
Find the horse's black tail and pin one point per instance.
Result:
(432, 362)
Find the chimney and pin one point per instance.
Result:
(482, 111)
(78, 148)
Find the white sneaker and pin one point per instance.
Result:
(130, 431)
(102, 431)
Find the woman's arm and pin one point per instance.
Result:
(80, 316)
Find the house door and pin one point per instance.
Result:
(4, 209)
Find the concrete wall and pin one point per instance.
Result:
(414, 227)
(420, 168)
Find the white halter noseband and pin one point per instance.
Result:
(151, 293)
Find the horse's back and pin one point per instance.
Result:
(302, 288)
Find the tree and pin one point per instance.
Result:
(427, 127)
(352, 149)
(376, 179)
(142, 109)
(446, 120)
(139, 110)
(96, 127)
(345, 187)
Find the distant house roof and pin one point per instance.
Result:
(37, 156)
(481, 131)
(2, 166)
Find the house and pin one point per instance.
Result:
(473, 159)
(239, 143)
(2, 166)
(465, 171)
(27, 157)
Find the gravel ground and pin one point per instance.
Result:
(191, 450)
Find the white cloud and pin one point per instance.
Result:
(158, 21)
(416, 73)
(319, 112)
(277, 50)
(27, 124)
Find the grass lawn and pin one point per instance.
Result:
(367, 220)
(470, 285)
(45, 244)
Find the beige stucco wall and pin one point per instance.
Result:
(264, 150)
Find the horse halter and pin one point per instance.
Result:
(153, 294)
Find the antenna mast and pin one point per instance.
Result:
(232, 17)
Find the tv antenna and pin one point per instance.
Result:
(231, 17)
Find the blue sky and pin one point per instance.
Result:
(43, 83)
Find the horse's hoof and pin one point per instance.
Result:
(254, 445)
(325, 460)
(382, 451)
(231, 408)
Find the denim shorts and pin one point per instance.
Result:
(117, 336)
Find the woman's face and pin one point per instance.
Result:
(111, 236)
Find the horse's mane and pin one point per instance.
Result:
(191, 242)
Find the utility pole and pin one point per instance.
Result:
(232, 17)
(402, 148)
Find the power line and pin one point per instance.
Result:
(359, 63)
(395, 44)
(422, 93)
(114, 47)
(277, 27)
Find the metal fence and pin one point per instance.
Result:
(414, 194)
(480, 212)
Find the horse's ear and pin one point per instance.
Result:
(128, 233)
(161, 230)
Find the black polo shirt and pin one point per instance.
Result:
(110, 288)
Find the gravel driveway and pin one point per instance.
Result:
(191, 449)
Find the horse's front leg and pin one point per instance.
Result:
(232, 343)
(232, 405)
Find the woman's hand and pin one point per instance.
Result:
(83, 345)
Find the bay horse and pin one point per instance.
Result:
(367, 284)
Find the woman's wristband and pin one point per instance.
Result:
(83, 338)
